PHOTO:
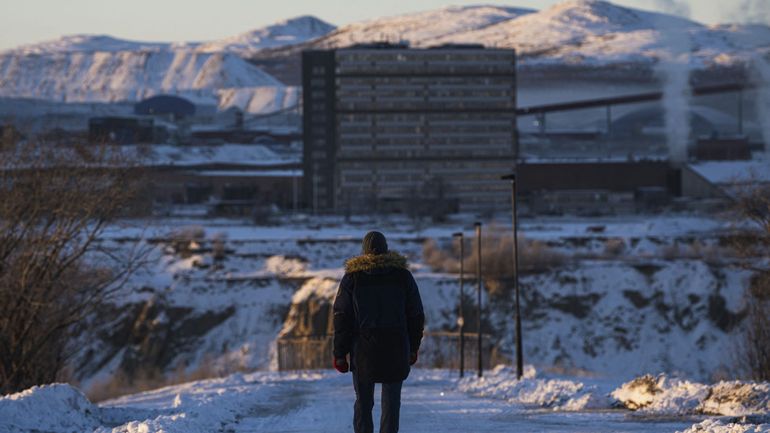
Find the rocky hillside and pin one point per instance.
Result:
(645, 296)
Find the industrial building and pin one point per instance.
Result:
(393, 128)
(174, 107)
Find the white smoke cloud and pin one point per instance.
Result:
(673, 69)
(752, 11)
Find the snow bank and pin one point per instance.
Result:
(316, 287)
(283, 266)
(204, 406)
(738, 398)
(661, 394)
(664, 395)
(557, 394)
(718, 426)
(48, 408)
(195, 407)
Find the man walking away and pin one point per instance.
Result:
(378, 321)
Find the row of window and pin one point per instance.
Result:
(427, 118)
(346, 130)
(427, 94)
(410, 140)
(411, 55)
(446, 105)
(399, 82)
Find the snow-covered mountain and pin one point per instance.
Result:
(126, 75)
(288, 32)
(87, 43)
(600, 33)
(574, 33)
(421, 28)
(578, 28)
(100, 68)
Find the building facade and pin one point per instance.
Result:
(388, 127)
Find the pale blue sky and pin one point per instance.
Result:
(28, 21)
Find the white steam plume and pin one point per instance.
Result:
(673, 68)
(752, 11)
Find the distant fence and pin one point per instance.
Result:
(305, 353)
(438, 350)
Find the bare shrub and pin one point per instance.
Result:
(757, 341)
(54, 204)
(186, 240)
(614, 247)
(121, 383)
(671, 252)
(497, 255)
(219, 246)
(754, 204)
(696, 250)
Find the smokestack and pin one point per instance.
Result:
(761, 75)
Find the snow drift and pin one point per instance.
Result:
(55, 408)
(670, 396)
(530, 391)
(719, 426)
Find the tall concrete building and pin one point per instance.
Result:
(388, 127)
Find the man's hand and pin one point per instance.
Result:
(412, 358)
(341, 365)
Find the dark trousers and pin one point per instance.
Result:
(362, 410)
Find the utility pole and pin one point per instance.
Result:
(519, 355)
(461, 315)
(478, 290)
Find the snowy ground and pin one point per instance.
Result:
(266, 267)
(637, 309)
(323, 401)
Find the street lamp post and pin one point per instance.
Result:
(478, 290)
(519, 355)
(461, 315)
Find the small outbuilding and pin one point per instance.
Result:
(165, 105)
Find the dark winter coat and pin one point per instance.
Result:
(378, 317)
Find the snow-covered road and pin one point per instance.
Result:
(429, 403)
(322, 402)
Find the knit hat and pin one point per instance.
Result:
(374, 243)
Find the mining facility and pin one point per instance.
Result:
(429, 131)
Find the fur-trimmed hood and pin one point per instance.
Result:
(370, 262)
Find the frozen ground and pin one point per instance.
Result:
(323, 401)
(623, 315)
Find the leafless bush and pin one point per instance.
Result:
(186, 240)
(121, 383)
(54, 204)
(496, 255)
(757, 340)
(613, 247)
(754, 204)
(696, 250)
